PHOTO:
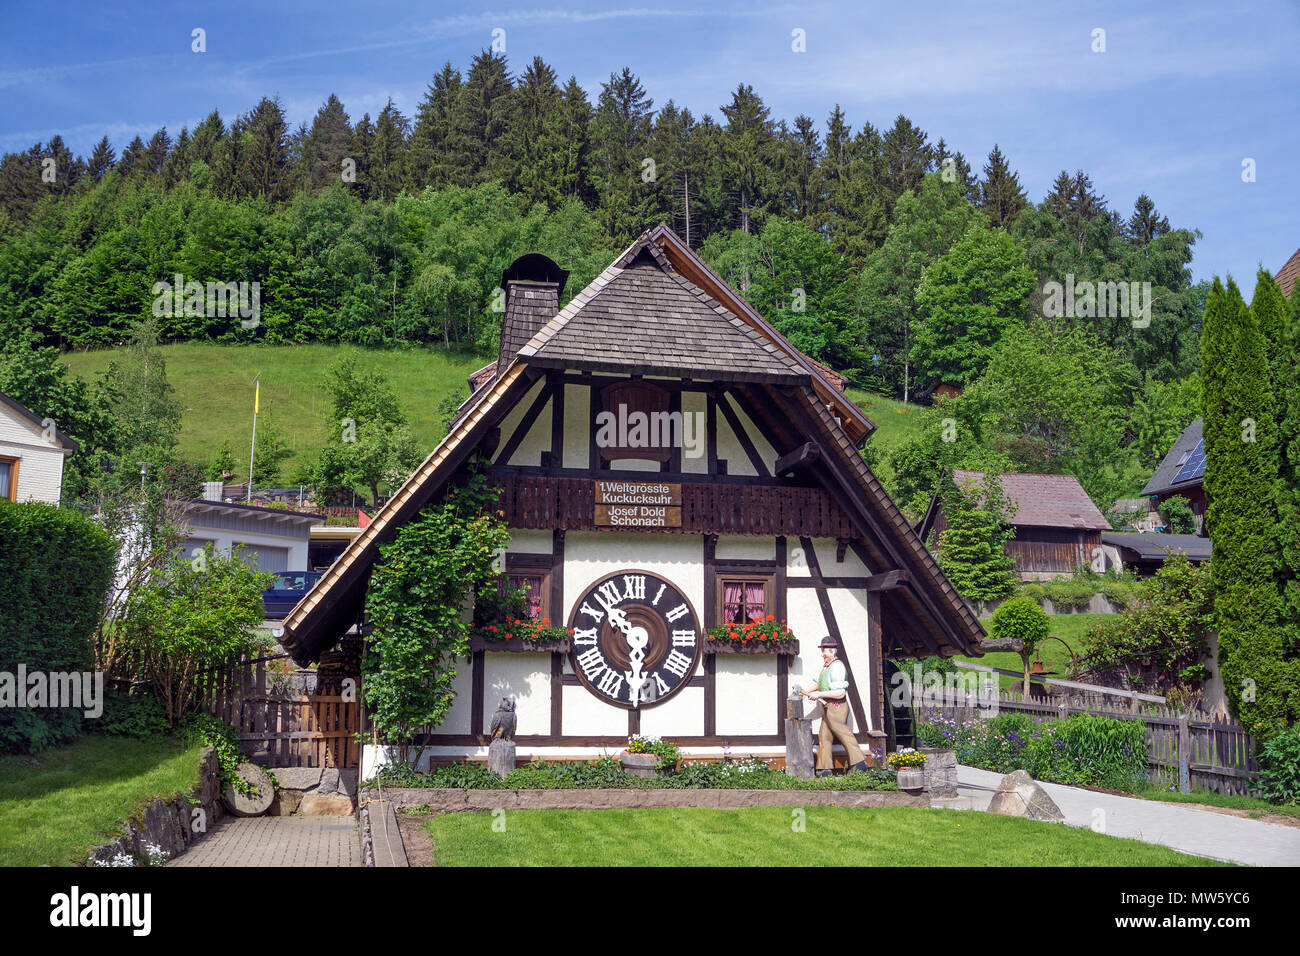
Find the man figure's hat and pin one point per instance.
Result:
(829, 642)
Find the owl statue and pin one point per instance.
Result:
(503, 721)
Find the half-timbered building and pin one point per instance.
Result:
(667, 463)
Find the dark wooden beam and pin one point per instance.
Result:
(526, 423)
(888, 581)
(742, 436)
(803, 456)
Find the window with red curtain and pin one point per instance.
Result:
(743, 600)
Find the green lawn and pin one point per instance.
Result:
(766, 836)
(214, 384)
(58, 805)
(1069, 627)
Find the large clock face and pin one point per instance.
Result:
(636, 639)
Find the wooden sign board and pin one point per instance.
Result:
(638, 516)
(652, 493)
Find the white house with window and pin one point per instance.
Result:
(32, 450)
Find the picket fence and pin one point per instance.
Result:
(1193, 751)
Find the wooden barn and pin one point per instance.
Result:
(747, 498)
(1058, 528)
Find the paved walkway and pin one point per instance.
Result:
(278, 841)
(1199, 832)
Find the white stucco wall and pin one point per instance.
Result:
(458, 718)
(512, 422)
(577, 426)
(746, 694)
(696, 403)
(525, 677)
(224, 541)
(529, 541)
(738, 547)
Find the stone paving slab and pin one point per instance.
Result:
(278, 841)
(1177, 826)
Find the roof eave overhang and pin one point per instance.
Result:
(541, 360)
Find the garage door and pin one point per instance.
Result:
(266, 558)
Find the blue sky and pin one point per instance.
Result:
(1182, 94)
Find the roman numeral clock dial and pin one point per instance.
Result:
(636, 639)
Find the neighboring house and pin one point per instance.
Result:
(1146, 553)
(1181, 473)
(1139, 512)
(767, 509)
(272, 539)
(1287, 275)
(32, 450)
(1058, 528)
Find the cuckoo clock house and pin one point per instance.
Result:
(667, 463)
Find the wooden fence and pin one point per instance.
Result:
(1192, 751)
(280, 724)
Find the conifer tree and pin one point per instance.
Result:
(908, 157)
(575, 114)
(1240, 475)
(1000, 195)
(972, 546)
(1286, 384)
(480, 121)
(747, 153)
(1146, 224)
(326, 145)
(620, 144)
(433, 129)
(535, 140)
(386, 161)
(101, 159)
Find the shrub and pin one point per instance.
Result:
(1279, 764)
(1080, 750)
(1178, 515)
(132, 715)
(56, 565)
(190, 617)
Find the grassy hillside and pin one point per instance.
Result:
(896, 423)
(214, 384)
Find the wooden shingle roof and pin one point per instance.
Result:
(1286, 276)
(646, 318)
(1045, 501)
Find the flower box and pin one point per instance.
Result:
(753, 647)
(516, 645)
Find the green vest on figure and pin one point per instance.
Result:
(833, 677)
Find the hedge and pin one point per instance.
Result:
(56, 566)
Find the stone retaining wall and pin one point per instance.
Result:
(314, 791)
(172, 826)
(453, 800)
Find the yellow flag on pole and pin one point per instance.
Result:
(257, 396)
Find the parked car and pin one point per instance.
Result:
(289, 587)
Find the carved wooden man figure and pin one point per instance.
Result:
(832, 692)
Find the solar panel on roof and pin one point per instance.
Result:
(1195, 465)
